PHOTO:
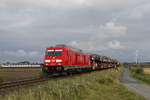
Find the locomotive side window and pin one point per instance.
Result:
(54, 52)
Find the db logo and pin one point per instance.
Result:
(53, 60)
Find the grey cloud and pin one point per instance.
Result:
(32, 25)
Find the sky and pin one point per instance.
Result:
(116, 28)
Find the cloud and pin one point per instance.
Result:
(73, 43)
(94, 25)
(85, 45)
(2, 5)
(115, 45)
(97, 41)
(19, 18)
(110, 29)
(49, 3)
(22, 53)
(139, 11)
(72, 4)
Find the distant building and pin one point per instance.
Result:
(24, 62)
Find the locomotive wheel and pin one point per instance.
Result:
(46, 72)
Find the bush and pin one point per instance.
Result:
(137, 70)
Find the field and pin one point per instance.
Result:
(141, 74)
(14, 74)
(146, 70)
(1, 78)
(102, 85)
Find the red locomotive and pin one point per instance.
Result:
(62, 58)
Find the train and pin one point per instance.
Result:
(64, 58)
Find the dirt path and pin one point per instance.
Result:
(135, 85)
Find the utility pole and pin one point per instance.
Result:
(136, 56)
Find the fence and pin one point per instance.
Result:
(20, 65)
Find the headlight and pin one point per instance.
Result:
(58, 61)
(47, 60)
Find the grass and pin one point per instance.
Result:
(102, 85)
(1, 78)
(139, 74)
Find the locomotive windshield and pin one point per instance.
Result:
(54, 52)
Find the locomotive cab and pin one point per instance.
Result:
(55, 58)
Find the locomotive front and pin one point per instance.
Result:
(54, 59)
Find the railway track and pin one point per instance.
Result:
(21, 82)
(9, 86)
